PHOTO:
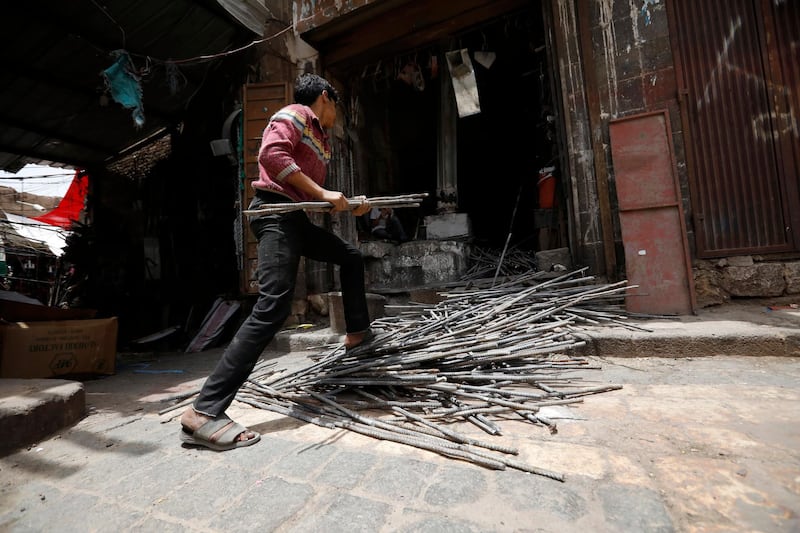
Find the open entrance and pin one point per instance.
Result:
(502, 149)
(407, 134)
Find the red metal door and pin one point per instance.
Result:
(651, 217)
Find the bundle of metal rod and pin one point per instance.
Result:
(489, 357)
(395, 202)
(484, 261)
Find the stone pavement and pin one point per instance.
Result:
(689, 444)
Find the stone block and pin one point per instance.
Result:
(707, 287)
(758, 280)
(547, 259)
(375, 305)
(319, 303)
(448, 226)
(740, 261)
(298, 312)
(415, 264)
(31, 409)
(791, 275)
(376, 249)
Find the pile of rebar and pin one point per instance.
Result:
(395, 202)
(482, 355)
(483, 262)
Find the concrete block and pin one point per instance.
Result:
(547, 259)
(319, 303)
(375, 305)
(741, 261)
(707, 287)
(791, 274)
(761, 279)
(448, 226)
(298, 312)
(416, 263)
(31, 409)
(376, 249)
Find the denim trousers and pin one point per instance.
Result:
(282, 240)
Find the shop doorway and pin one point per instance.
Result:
(502, 149)
(397, 119)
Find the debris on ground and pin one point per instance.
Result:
(484, 354)
(484, 263)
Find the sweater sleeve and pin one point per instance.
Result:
(282, 134)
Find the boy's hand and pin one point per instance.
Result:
(363, 207)
(337, 199)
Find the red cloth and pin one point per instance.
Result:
(69, 208)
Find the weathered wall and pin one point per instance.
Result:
(413, 264)
(719, 281)
(635, 73)
(586, 233)
(628, 68)
(614, 60)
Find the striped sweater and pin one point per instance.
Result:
(293, 140)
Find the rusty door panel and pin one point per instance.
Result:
(653, 189)
(651, 218)
(260, 102)
(741, 199)
(654, 262)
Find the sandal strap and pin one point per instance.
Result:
(207, 430)
(231, 434)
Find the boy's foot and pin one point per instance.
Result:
(351, 340)
(192, 421)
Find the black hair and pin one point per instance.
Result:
(308, 87)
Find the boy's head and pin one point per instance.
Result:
(308, 87)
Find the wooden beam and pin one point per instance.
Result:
(595, 129)
(411, 26)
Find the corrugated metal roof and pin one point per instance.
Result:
(53, 100)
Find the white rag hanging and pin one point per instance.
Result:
(465, 86)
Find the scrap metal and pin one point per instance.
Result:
(482, 355)
(406, 200)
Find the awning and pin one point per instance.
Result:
(70, 207)
(37, 234)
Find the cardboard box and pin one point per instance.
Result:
(58, 348)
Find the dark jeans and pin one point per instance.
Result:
(282, 240)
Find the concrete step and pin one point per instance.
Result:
(31, 409)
